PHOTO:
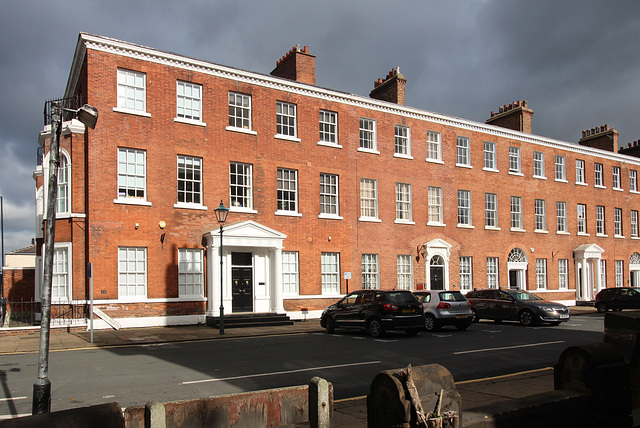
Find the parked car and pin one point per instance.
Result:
(375, 311)
(515, 305)
(445, 308)
(617, 299)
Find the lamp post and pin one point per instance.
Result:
(221, 215)
(88, 115)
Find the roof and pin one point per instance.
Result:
(26, 250)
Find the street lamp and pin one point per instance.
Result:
(221, 215)
(88, 115)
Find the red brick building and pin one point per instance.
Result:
(321, 185)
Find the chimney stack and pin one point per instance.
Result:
(391, 88)
(516, 116)
(600, 137)
(297, 64)
(632, 149)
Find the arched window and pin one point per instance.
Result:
(635, 259)
(517, 256)
(436, 261)
(64, 185)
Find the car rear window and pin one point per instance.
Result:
(401, 297)
(451, 296)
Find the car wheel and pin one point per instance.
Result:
(601, 307)
(462, 327)
(527, 318)
(330, 325)
(475, 317)
(412, 331)
(374, 328)
(430, 323)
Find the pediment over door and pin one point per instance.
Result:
(247, 233)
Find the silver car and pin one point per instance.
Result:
(445, 308)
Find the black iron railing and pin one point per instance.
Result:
(73, 103)
(23, 313)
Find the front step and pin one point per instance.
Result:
(250, 320)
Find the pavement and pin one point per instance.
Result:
(350, 412)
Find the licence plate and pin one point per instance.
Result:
(408, 311)
(563, 317)
(461, 316)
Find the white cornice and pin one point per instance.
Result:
(117, 47)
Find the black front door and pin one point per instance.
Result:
(513, 279)
(241, 282)
(436, 273)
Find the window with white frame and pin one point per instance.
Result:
(616, 178)
(598, 178)
(367, 134)
(241, 185)
(514, 160)
(490, 210)
(329, 194)
(603, 273)
(634, 223)
(633, 180)
(239, 111)
(370, 272)
(189, 180)
(462, 152)
(540, 214)
(493, 279)
(60, 284)
(132, 173)
(405, 274)
(541, 274)
(190, 272)
(561, 172)
(619, 273)
(402, 140)
(286, 119)
(563, 274)
(290, 276)
(490, 155)
(132, 272)
(464, 207)
(580, 179)
(330, 272)
(328, 127)
(132, 91)
(434, 146)
(561, 217)
(516, 213)
(582, 218)
(466, 273)
(403, 202)
(368, 198)
(617, 222)
(435, 205)
(538, 164)
(287, 183)
(600, 220)
(189, 101)
(64, 186)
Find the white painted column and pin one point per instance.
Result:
(596, 276)
(213, 278)
(276, 281)
(585, 280)
(576, 277)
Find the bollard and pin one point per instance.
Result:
(154, 415)
(319, 405)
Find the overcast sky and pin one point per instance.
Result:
(576, 62)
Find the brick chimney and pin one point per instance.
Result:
(632, 149)
(514, 116)
(600, 137)
(297, 64)
(390, 89)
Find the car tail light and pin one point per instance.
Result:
(420, 306)
(468, 303)
(444, 305)
(389, 307)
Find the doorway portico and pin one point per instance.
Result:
(588, 271)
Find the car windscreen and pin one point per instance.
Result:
(524, 296)
(401, 298)
(451, 296)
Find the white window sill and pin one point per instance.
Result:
(243, 210)
(189, 121)
(517, 229)
(517, 174)
(241, 130)
(599, 186)
(492, 228)
(288, 213)
(372, 151)
(583, 234)
(464, 165)
(540, 231)
(287, 138)
(330, 216)
(635, 237)
(580, 183)
(602, 235)
(134, 112)
(370, 219)
(404, 222)
(437, 224)
(618, 189)
(190, 206)
(490, 170)
(561, 180)
(563, 233)
(132, 201)
(540, 177)
(619, 236)
(327, 144)
(70, 215)
(438, 161)
(465, 226)
(401, 156)
(634, 191)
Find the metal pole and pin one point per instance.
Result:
(3, 302)
(42, 386)
(221, 287)
(91, 304)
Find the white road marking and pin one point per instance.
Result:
(19, 415)
(441, 335)
(385, 340)
(108, 396)
(279, 373)
(13, 398)
(492, 331)
(528, 345)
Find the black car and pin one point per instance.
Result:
(515, 305)
(375, 311)
(617, 299)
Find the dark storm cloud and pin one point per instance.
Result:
(574, 61)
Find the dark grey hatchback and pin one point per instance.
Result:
(375, 311)
(515, 305)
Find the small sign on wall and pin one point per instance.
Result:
(347, 275)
